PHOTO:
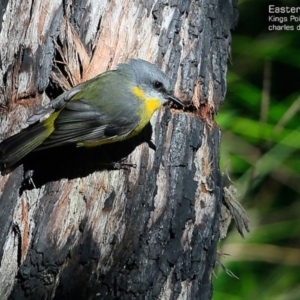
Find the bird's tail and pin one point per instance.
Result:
(17, 146)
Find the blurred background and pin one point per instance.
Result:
(260, 121)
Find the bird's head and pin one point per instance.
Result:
(151, 82)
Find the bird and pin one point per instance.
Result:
(111, 107)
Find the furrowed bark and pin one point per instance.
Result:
(72, 226)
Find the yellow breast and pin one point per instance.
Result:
(148, 107)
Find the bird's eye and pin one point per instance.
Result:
(157, 85)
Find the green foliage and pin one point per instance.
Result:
(260, 152)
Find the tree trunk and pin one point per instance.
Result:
(72, 225)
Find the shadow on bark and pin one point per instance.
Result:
(70, 162)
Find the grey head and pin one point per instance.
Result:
(154, 82)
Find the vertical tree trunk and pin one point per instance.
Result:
(73, 227)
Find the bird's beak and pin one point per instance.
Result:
(175, 100)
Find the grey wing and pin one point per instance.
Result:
(56, 104)
(80, 122)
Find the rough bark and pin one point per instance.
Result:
(74, 227)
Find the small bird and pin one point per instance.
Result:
(108, 108)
